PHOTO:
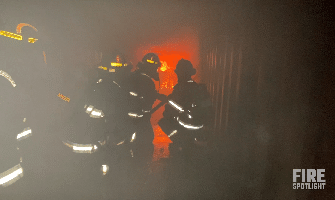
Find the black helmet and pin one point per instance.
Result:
(112, 59)
(185, 68)
(151, 60)
(149, 65)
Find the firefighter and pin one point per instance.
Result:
(143, 95)
(187, 113)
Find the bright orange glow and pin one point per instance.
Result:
(164, 66)
(160, 136)
(161, 150)
(168, 79)
(184, 44)
(21, 25)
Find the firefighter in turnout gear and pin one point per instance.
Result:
(188, 112)
(142, 96)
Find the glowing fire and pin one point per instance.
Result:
(161, 150)
(167, 78)
(164, 66)
(184, 44)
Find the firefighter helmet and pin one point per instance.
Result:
(149, 65)
(185, 68)
(151, 60)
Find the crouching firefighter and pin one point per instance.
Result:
(187, 114)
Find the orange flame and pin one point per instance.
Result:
(164, 66)
(184, 44)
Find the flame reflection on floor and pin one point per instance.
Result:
(184, 43)
(168, 79)
(161, 141)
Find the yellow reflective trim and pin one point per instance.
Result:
(150, 61)
(113, 64)
(32, 40)
(101, 67)
(63, 97)
(11, 35)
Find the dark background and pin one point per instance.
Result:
(268, 67)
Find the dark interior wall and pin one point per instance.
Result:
(282, 43)
(265, 65)
(319, 146)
